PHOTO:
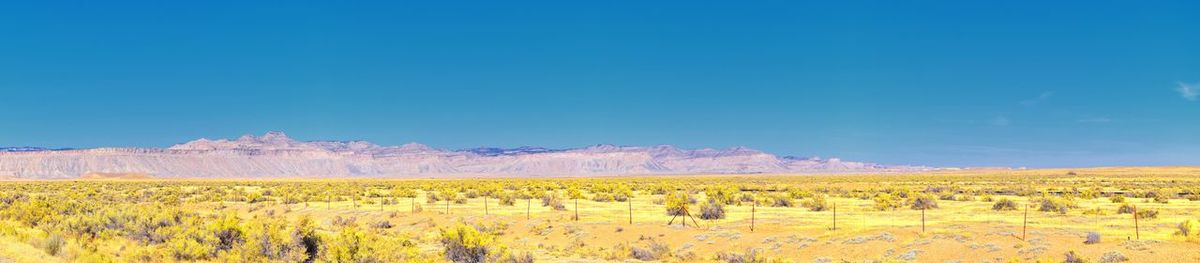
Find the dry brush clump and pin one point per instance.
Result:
(466, 244)
(653, 251)
(1189, 230)
(752, 255)
(712, 210)
(1147, 213)
(1125, 209)
(1092, 238)
(923, 202)
(816, 203)
(1056, 204)
(1072, 257)
(779, 200)
(1004, 204)
(552, 200)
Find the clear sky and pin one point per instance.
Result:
(953, 83)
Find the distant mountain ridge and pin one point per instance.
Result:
(274, 154)
(27, 149)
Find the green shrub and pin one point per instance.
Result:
(676, 203)
(797, 193)
(884, 202)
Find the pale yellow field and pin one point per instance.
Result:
(969, 230)
(966, 231)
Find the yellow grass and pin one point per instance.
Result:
(969, 231)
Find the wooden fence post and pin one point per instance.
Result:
(1136, 232)
(922, 219)
(630, 201)
(834, 216)
(1024, 221)
(753, 207)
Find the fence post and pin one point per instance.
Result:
(1024, 221)
(922, 219)
(753, 206)
(630, 201)
(1136, 232)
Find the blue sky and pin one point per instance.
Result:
(1012, 83)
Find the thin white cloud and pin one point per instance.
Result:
(1037, 100)
(1189, 91)
(1094, 120)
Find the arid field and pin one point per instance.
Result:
(960, 216)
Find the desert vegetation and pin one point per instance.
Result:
(1035, 215)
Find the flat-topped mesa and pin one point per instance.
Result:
(275, 154)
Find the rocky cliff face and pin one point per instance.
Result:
(276, 155)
